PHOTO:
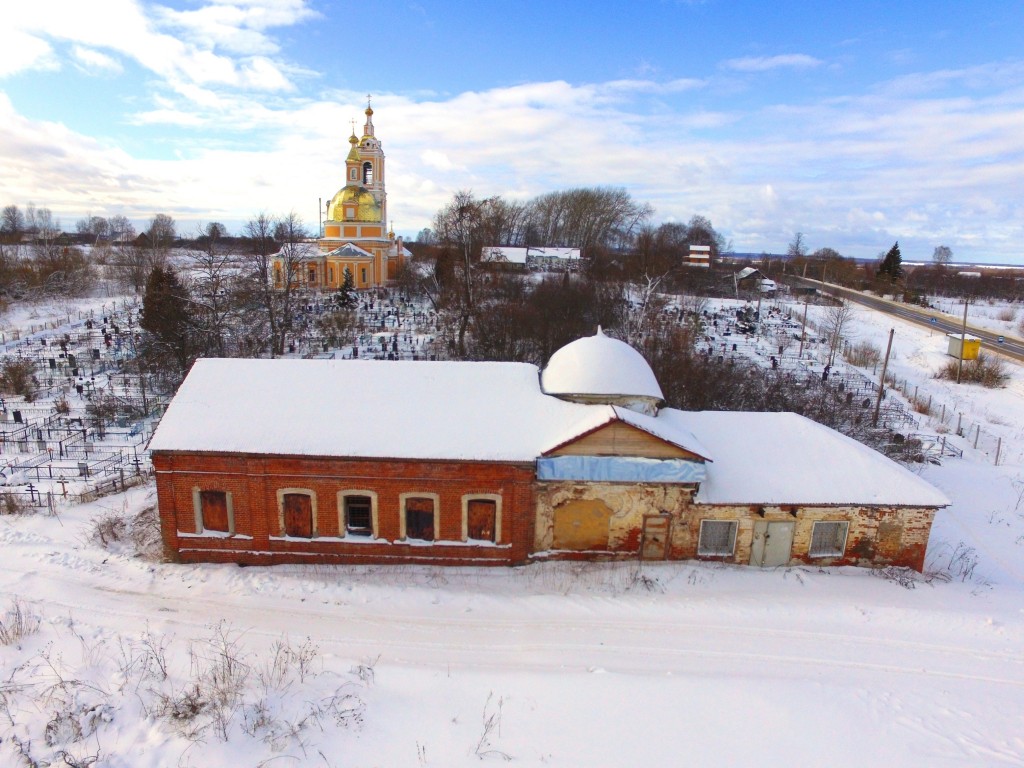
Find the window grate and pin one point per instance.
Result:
(717, 537)
(358, 516)
(828, 539)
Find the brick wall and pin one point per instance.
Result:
(254, 481)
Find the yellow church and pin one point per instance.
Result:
(355, 235)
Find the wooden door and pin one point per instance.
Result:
(481, 515)
(215, 510)
(298, 515)
(654, 538)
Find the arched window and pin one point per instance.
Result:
(367, 173)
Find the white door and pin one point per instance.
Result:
(773, 543)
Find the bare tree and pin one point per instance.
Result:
(161, 232)
(458, 228)
(214, 293)
(121, 228)
(132, 264)
(643, 304)
(797, 247)
(834, 323)
(942, 255)
(587, 217)
(272, 273)
(12, 221)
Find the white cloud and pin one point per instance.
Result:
(765, 63)
(220, 44)
(900, 161)
(22, 52)
(93, 61)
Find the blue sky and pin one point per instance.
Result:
(856, 123)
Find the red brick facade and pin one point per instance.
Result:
(254, 483)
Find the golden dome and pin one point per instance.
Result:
(359, 198)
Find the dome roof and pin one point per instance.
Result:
(599, 365)
(366, 205)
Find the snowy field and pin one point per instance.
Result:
(138, 663)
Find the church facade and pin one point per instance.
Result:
(486, 463)
(355, 236)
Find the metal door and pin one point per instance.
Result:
(654, 539)
(773, 543)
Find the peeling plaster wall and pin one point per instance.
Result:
(877, 535)
(628, 504)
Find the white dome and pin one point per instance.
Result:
(599, 367)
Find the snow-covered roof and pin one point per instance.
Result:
(746, 272)
(475, 411)
(350, 250)
(784, 458)
(301, 250)
(599, 365)
(374, 409)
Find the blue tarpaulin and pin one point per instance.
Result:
(620, 469)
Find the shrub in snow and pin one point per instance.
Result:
(987, 370)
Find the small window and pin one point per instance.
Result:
(214, 506)
(312, 274)
(298, 515)
(717, 538)
(828, 539)
(330, 274)
(358, 516)
(362, 273)
(353, 174)
(367, 173)
(419, 518)
(481, 519)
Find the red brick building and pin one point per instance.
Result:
(270, 461)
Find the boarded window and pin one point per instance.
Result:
(298, 515)
(828, 539)
(581, 524)
(214, 505)
(481, 517)
(717, 538)
(358, 516)
(419, 518)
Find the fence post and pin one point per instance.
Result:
(999, 445)
(977, 434)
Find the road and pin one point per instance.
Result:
(1010, 346)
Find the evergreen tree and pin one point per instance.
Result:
(166, 320)
(346, 295)
(892, 264)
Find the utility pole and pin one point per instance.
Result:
(963, 340)
(881, 381)
(803, 331)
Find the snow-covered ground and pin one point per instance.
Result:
(553, 664)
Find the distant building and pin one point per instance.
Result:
(752, 279)
(355, 234)
(484, 463)
(700, 256)
(532, 259)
